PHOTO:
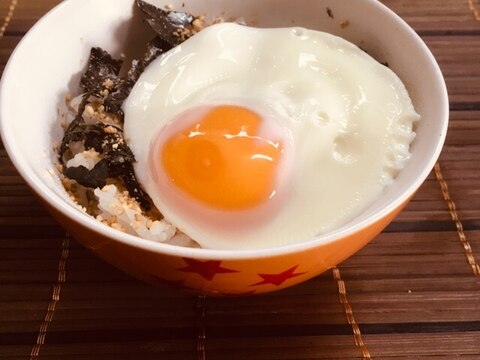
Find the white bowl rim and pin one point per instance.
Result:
(61, 205)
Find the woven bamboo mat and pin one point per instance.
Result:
(413, 293)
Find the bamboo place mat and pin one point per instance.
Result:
(413, 293)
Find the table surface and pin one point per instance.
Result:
(413, 293)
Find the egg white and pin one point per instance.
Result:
(348, 118)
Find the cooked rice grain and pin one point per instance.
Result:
(117, 209)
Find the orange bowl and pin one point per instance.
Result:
(47, 63)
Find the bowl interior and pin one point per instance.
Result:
(50, 59)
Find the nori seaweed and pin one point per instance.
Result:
(165, 23)
(89, 178)
(114, 101)
(101, 67)
(116, 163)
(118, 159)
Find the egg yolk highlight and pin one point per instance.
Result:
(222, 159)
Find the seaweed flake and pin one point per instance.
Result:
(79, 130)
(131, 184)
(90, 134)
(101, 68)
(95, 178)
(114, 101)
(167, 24)
(102, 82)
(116, 163)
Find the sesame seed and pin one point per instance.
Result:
(110, 130)
(198, 24)
(344, 24)
(108, 83)
(89, 110)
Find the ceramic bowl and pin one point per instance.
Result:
(47, 63)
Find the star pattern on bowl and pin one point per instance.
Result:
(206, 269)
(280, 278)
(209, 269)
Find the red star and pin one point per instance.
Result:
(278, 279)
(206, 269)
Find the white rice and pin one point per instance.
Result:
(87, 159)
(118, 210)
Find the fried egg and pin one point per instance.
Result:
(256, 138)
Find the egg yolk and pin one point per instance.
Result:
(223, 160)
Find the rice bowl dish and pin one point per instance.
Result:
(118, 30)
(270, 139)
